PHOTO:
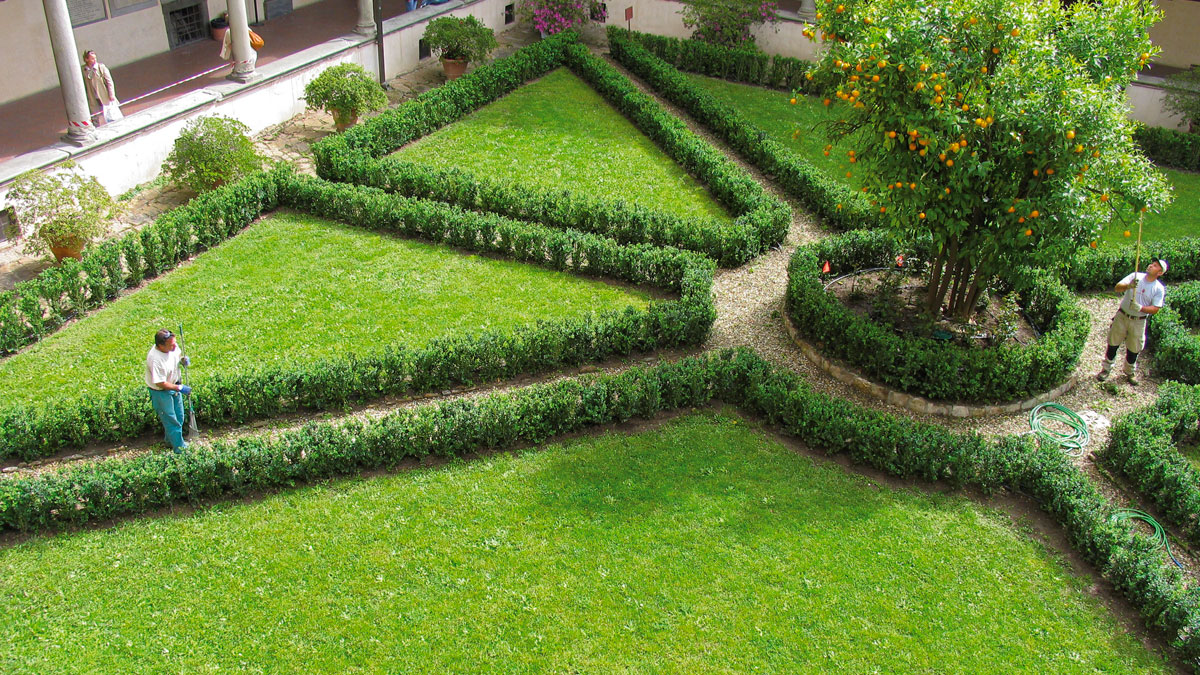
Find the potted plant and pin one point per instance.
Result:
(60, 212)
(210, 152)
(459, 42)
(218, 26)
(344, 91)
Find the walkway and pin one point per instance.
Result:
(38, 120)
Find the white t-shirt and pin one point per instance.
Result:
(1151, 294)
(162, 367)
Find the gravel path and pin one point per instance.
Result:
(749, 302)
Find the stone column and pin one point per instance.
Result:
(243, 54)
(808, 9)
(366, 18)
(80, 130)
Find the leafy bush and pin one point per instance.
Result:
(1168, 147)
(210, 152)
(37, 307)
(1176, 346)
(358, 156)
(1142, 448)
(462, 39)
(727, 22)
(726, 63)
(898, 446)
(344, 91)
(1183, 96)
(837, 205)
(1099, 269)
(925, 366)
(551, 17)
(61, 207)
(36, 431)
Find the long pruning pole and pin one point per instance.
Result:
(1137, 259)
(191, 409)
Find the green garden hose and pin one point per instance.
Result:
(1073, 441)
(1160, 535)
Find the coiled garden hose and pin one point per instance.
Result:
(1160, 535)
(1073, 441)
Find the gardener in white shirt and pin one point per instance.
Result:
(1143, 297)
(166, 393)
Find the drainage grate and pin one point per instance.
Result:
(185, 23)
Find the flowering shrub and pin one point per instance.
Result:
(727, 22)
(555, 16)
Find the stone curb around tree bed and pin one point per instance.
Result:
(918, 404)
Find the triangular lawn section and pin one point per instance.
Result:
(557, 133)
(293, 288)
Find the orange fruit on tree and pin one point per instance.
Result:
(793, 101)
(891, 134)
(949, 162)
(1021, 219)
(1071, 134)
(1034, 214)
(921, 215)
(1093, 244)
(1104, 197)
(1028, 232)
(1128, 233)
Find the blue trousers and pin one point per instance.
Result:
(169, 407)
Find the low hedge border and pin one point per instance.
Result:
(837, 205)
(1099, 269)
(899, 446)
(923, 366)
(726, 63)
(1168, 147)
(1142, 448)
(38, 307)
(1176, 346)
(29, 432)
(359, 156)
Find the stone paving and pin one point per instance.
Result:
(290, 142)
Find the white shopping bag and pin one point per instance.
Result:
(112, 112)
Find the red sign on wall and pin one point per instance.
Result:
(629, 14)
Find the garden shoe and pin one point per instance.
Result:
(1102, 375)
(1132, 379)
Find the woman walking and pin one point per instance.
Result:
(100, 87)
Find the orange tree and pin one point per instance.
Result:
(1000, 127)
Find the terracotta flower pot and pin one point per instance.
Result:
(343, 121)
(71, 248)
(454, 68)
(218, 34)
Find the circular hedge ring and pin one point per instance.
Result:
(924, 366)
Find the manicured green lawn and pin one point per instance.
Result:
(703, 546)
(292, 288)
(771, 111)
(558, 133)
(1180, 219)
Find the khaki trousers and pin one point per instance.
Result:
(1128, 331)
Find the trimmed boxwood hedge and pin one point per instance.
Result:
(38, 307)
(360, 156)
(925, 366)
(1099, 269)
(35, 431)
(1142, 448)
(726, 63)
(897, 445)
(838, 206)
(1168, 147)
(1176, 346)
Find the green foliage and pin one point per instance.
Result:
(39, 306)
(762, 220)
(833, 202)
(1008, 117)
(766, 533)
(1142, 448)
(460, 39)
(924, 366)
(333, 383)
(728, 23)
(1183, 96)
(1174, 333)
(344, 91)
(727, 63)
(1099, 269)
(210, 152)
(897, 446)
(56, 208)
(1168, 147)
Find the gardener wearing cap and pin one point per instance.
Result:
(166, 393)
(1143, 297)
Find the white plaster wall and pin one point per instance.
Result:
(660, 17)
(122, 39)
(1176, 33)
(785, 39)
(1146, 101)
